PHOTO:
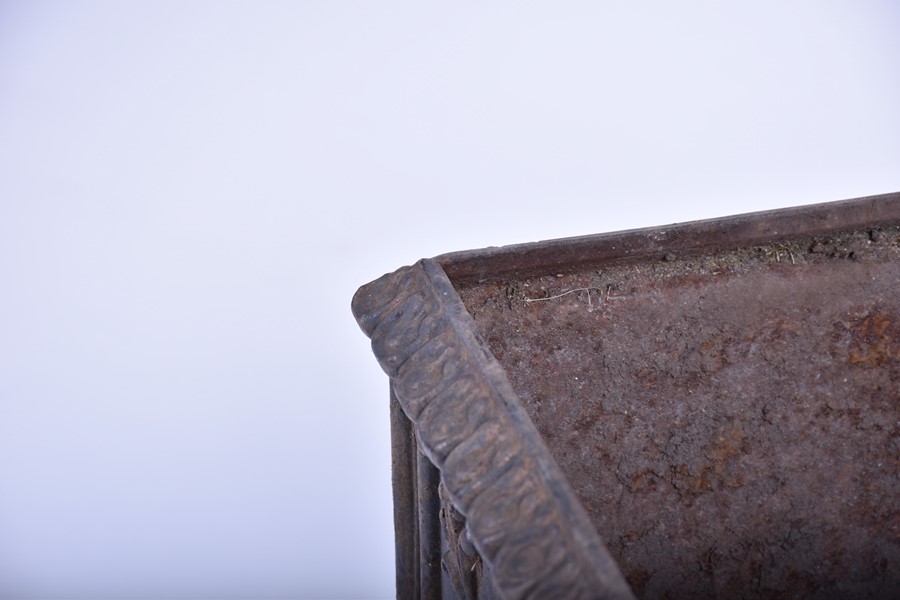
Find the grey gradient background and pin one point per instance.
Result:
(190, 193)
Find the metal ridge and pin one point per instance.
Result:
(520, 513)
(725, 233)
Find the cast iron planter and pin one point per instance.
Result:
(708, 409)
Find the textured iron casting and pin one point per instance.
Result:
(490, 487)
(519, 512)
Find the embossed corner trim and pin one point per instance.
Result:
(523, 518)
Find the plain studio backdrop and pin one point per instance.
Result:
(190, 193)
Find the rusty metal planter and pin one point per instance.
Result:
(709, 409)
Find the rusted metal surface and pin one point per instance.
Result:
(722, 397)
(416, 512)
(570, 254)
(406, 510)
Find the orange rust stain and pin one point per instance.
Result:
(643, 481)
(713, 475)
(648, 378)
(876, 339)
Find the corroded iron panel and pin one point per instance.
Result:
(729, 420)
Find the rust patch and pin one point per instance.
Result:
(876, 339)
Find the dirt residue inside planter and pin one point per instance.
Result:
(729, 421)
